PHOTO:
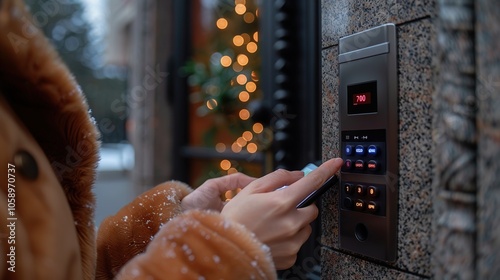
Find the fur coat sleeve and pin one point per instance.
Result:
(152, 239)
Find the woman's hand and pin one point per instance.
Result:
(273, 216)
(208, 195)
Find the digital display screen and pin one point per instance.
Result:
(362, 98)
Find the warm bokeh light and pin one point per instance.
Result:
(240, 9)
(244, 114)
(247, 135)
(237, 68)
(246, 37)
(238, 40)
(241, 142)
(252, 47)
(226, 61)
(251, 87)
(225, 164)
(242, 59)
(211, 104)
(241, 79)
(220, 147)
(232, 170)
(235, 148)
(255, 77)
(244, 96)
(222, 23)
(252, 148)
(229, 194)
(249, 17)
(256, 36)
(257, 128)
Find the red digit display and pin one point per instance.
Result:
(363, 98)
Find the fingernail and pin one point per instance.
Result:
(339, 160)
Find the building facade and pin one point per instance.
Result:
(448, 84)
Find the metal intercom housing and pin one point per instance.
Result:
(368, 107)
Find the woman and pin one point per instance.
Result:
(49, 152)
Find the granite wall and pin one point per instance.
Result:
(449, 143)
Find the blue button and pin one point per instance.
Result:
(372, 150)
(360, 150)
(348, 150)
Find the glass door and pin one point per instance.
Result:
(221, 72)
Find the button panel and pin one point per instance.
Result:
(364, 151)
(363, 197)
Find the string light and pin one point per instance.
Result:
(251, 47)
(256, 36)
(225, 164)
(242, 59)
(251, 87)
(247, 135)
(244, 114)
(220, 147)
(255, 77)
(249, 41)
(211, 104)
(244, 96)
(237, 67)
(226, 61)
(238, 40)
(257, 128)
(252, 148)
(222, 23)
(235, 148)
(249, 17)
(241, 142)
(240, 9)
(241, 79)
(246, 37)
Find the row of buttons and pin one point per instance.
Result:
(361, 190)
(360, 205)
(361, 150)
(360, 165)
(363, 198)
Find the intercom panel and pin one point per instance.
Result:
(368, 108)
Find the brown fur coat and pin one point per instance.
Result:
(48, 157)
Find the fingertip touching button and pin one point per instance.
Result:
(347, 164)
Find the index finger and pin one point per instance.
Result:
(313, 181)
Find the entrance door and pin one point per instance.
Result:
(246, 91)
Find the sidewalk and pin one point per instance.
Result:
(113, 188)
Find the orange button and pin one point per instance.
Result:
(372, 206)
(372, 165)
(359, 204)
